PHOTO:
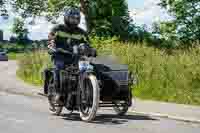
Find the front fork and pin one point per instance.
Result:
(80, 88)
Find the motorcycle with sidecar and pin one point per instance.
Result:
(89, 83)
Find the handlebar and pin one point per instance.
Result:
(56, 50)
(81, 49)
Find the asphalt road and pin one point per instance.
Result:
(22, 114)
(29, 114)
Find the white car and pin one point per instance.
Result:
(3, 56)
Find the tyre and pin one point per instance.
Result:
(90, 95)
(121, 108)
(53, 108)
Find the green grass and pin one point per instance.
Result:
(14, 56)
(170, 78)
(31, 66)
(162, 77)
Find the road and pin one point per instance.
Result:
(9, 81)
(25, 113)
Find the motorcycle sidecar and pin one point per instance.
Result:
(114, 79)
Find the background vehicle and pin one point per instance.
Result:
(3, 56)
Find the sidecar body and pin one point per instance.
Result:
(113, 79)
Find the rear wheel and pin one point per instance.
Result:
(89, 98)
(54, 108)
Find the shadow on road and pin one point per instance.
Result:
(110, 119)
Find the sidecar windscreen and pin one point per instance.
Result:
(109, 63)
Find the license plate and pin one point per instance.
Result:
(85, 65)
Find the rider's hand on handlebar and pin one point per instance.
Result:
(51, 44)
(51, 40)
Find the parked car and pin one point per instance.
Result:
(3, 56)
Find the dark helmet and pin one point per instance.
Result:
(72, 16)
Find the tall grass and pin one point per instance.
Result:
(171, 78)
(14, 56)
(164, 77)
(31, 66)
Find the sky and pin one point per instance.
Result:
(146, 12)
(142, 12)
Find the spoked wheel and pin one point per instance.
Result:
(89, 98)
(120, 108)
(55, 109)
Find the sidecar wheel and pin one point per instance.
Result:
(89, 106)
(121, 109)
(56, 110)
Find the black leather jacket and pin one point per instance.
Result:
(65, 38)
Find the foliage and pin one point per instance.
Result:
(16, 47)
(29, 8)
(19, 29)
(110, 18)
(1, 35)
(166, 33)
(3, 10)
(120, 18)
(103, 18)
(140, 34)
(186, 19)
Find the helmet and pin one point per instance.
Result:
(72, 16)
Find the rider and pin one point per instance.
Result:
(63, 36)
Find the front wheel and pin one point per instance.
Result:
(89, 101)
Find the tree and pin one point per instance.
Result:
(120, 18)
(103, 17)
(19, 29)
(186, 15)
(109, 18)
(50, 8)
(3, 10)
(1, 35)
(166, 32)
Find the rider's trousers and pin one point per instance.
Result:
(59, 65)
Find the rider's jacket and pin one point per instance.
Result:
(65, 37)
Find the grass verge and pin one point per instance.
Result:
(173, 77)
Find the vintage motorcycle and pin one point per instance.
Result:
(89, 83)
